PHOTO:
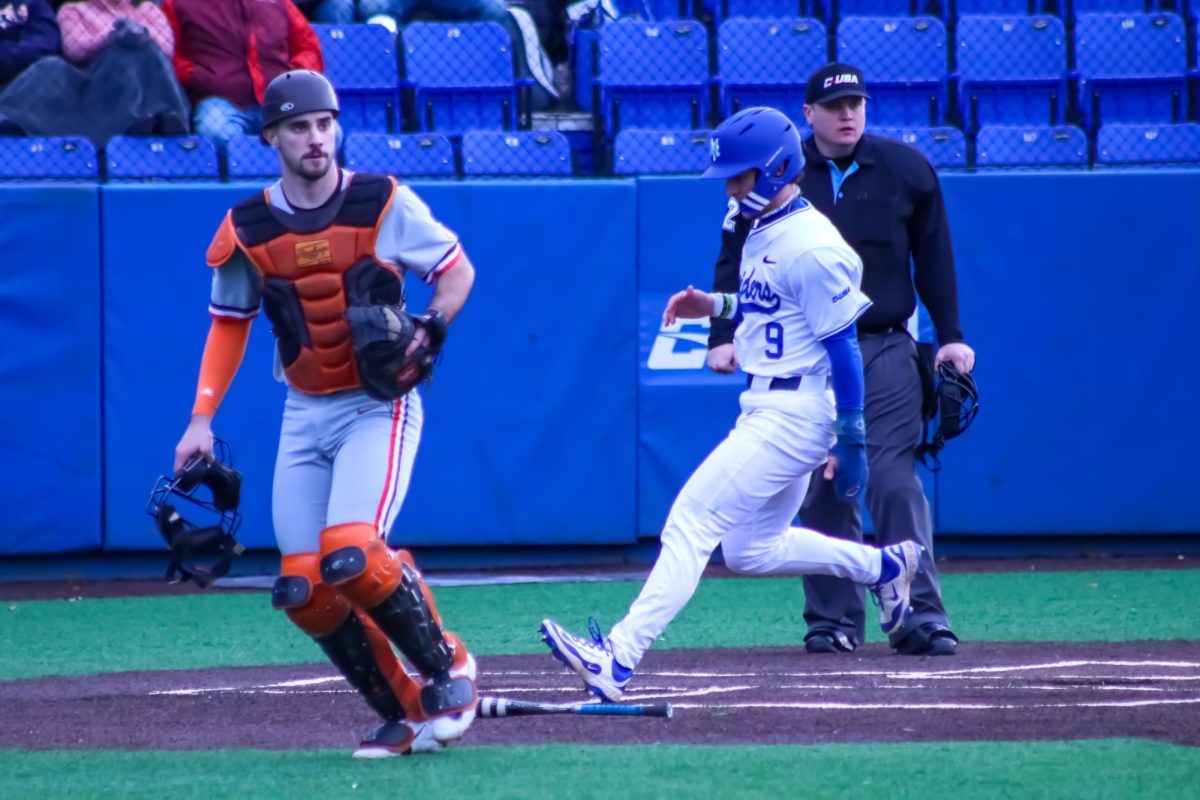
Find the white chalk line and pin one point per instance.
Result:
(1120, 683)
(948, 706)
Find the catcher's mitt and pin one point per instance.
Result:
(382, 335)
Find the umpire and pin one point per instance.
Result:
(885, 199)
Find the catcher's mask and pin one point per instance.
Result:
(957, 406)
(202, 550)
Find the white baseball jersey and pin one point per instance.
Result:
(799, 284)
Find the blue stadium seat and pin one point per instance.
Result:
(766, 62)
(653, 75)
(516, 153)
(360, 61)
(248, 157)
(133, 158)
(1131, 67)
(405, 155)
(1009, 8)
(669, 9)
(462, 76)
(903, 60)
(1147, 144)
(1125, 6)
(1012, 70)
(874, 8)
(660, 151)
(1031, 146)
(60, 158)
(944, 147)
(762, 9)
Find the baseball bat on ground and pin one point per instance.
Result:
(503, 707)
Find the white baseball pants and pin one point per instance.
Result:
(744, 497)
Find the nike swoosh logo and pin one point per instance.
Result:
(769, 261)
(588, 665)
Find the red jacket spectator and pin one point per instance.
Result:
(28, 31)
(86, 26)
(233, 48)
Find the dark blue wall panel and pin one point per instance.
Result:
(50, 369)
(156, 287)
(1079, 293)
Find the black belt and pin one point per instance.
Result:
(884, 331)
(779, 384)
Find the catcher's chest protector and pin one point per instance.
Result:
(313, 265)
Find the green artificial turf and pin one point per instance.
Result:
(1114, 768)
(64, 637)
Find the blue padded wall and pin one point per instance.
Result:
(684, 410)
(156, 288)
(1078, 294)
(50, 369)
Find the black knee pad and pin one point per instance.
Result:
(343, 565)
(290, 591)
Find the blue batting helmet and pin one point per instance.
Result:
(758, 138)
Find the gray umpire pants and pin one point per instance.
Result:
(894, 495)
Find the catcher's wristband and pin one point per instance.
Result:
(435, 324)
(725, 305)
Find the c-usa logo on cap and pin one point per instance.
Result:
(714, 148)
(287, 106)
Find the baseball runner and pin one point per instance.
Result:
(797, 303)
(324, 252)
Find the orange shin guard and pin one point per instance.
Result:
(348, 637)
(356, 560)
(312, 606)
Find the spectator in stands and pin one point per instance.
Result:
(28, 31)
(90, 25)
(227, 51)
(116, 77)
(884, 198)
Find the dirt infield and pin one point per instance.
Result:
(1017, 691)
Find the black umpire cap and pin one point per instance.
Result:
(833, 81)
(297, 92)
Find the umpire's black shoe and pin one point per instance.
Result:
(828, 642)
(944, 644)
(928, 639)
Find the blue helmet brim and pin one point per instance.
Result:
(724, 170)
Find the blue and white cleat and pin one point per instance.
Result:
(592, 661)
(901, 562)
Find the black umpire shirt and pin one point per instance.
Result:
(889, 206)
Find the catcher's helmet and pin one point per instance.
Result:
(297, 92)
(199, 551)
(758, 138)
